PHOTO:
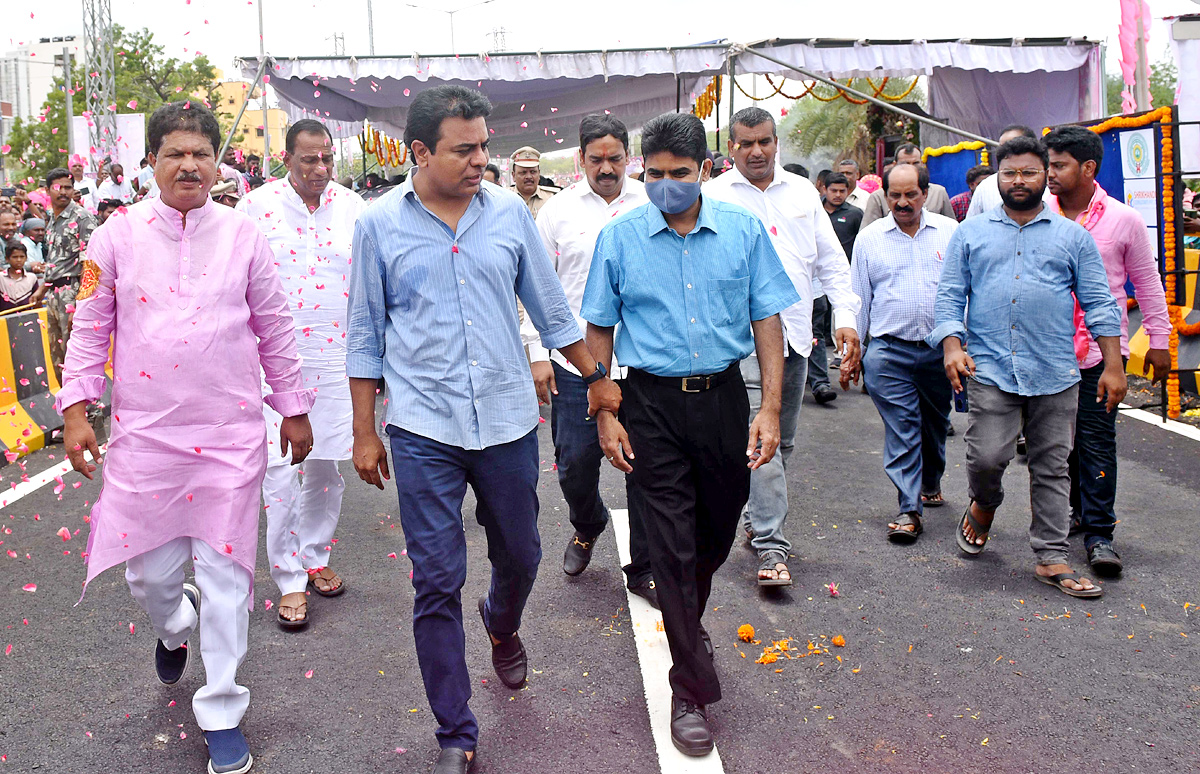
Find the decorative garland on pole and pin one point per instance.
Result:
(388, 152)
(840, 95)
(967, 145)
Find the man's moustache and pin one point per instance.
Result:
(188, 179)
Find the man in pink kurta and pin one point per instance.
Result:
(189, 294)
(1129, 256)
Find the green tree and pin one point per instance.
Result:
(1164, 78)
(842, 126)
(146, 78)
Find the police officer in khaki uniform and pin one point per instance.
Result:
(526, 171)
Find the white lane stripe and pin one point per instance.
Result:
(1179, 428)
(655, 658)
(41, 479)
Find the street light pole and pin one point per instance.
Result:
(453, 48)
(371, 26)
(262, 56)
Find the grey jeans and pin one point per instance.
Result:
(995, 420)
(767, 509)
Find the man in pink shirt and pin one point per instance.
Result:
(1129, 255)
(189, 293)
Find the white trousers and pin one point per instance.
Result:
(303, 503)
(156, 580)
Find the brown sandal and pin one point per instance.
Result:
(289, 624)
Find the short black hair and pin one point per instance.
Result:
(109, 204)
(848, 163)
(58, 173)
(256, 157)
(907, 147)
(681, 134)
(974, 173)
(12, 246)
(1022, 128)
(1019, 146)
(796, 169)
(495, 170)
(189, 116)
(1083, 144)
(837, 178)
(750, 117)
(922, 176)
(304, 125)
(433, 106)
(823, 176)
(595, 126)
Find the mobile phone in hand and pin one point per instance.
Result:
(961, 405)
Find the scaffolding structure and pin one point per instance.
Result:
(100, 86)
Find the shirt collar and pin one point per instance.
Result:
(890, 220)
(655, 221)
(587, 189)
(167, 212)
(777, 178)
(1001, 216)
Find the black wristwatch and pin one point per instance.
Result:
(597, 375)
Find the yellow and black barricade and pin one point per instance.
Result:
(28, 384)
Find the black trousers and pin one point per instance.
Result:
(690, 468)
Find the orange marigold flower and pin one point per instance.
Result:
(839, 641)
(745, 632)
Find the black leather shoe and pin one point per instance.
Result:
(708, 646)
(690, 731)
(644, 588)
(579, 554)
(1105, 560)
(452, 760)
(508, 658)
(171, 665)
(824, 394)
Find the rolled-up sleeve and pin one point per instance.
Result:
(602, 294)
(951, 304)
(367, 309)
(541, 291)
(771, 289)
(1100, 312)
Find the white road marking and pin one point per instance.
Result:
(655, 658)
(1179, 428)
(41, 479)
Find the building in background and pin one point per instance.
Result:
(231, 95)
(27, 72)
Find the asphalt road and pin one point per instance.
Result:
(949, 664)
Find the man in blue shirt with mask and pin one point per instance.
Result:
(688, 279)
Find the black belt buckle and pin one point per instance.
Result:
(696, 383)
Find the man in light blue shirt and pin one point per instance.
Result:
(1016, 271)
(688, 278)
(897, 263)
(438, 266)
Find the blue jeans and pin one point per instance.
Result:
(1093, 462)
(908, 385)
(818, 361)
(578, 456)
(767, 509)
(432, 480)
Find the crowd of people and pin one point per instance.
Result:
(670, 315)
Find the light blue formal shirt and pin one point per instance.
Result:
(896, 275)
(685, 302)
(434, 312)
(1015, 284)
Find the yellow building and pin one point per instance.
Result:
(231, 95)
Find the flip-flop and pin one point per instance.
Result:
(967, 547)
(904, 536)
(769, 562)
(1057, 582)
(289, 624)
(934, 500)
(341, 589)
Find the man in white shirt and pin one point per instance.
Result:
(790, 208)
(987, 194)
(116, 186)
(857, 196)
(569, 223)
(309, 222)
(937, 200)
(85, 186)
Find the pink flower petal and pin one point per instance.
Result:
(30, 587)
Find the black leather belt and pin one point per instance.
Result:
(688, 383)
(897, 340)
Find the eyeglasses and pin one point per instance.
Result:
(1009, 175)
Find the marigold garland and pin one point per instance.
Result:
(708, 99)
(387, 151)
(967, 145)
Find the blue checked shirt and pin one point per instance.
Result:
(435, 313)
(685, 302)
(1015, 285)
(896, 276)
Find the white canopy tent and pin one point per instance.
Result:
(539, 97)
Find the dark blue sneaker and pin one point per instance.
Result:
(228, 752)
(171, 665)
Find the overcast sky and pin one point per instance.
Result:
(224, 29)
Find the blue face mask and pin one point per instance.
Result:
(672, 196)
